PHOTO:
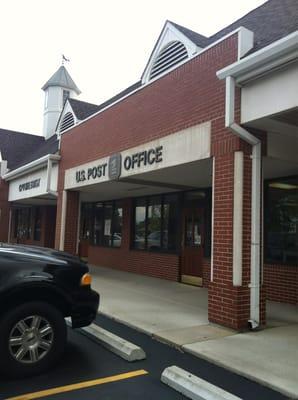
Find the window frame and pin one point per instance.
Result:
(116, 204)
(266, 209)
(147, 199)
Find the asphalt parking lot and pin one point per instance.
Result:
(95, 372)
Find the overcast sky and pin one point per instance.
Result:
(108, 43)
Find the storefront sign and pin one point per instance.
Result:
(143, 158)
(115, 166)
(91, 173)
(186, 146)
(29, 185)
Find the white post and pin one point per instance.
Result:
(212, 218)
(238, 218)
(63, 220)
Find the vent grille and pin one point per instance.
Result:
(170, 55)
(67, 122)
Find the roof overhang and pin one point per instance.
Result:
(272, 57)
(32, 166)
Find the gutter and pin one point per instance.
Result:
(267, 59)
(32, 166)
(272, 57)
(254, 285)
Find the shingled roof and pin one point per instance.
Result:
(270, 22)
(195, 37)
(82, 109)
(49, 146)
(14, 146)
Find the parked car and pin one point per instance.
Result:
(38, 288)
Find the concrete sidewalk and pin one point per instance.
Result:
(177, 314)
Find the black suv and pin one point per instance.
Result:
(38, 288)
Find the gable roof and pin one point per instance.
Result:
(82, 109)
(14, 146)
(62, 78)
(199, 40)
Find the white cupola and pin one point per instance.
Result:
(57, 90)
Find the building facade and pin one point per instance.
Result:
(190, 174)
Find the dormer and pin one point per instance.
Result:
(74, 111)
(175, 45)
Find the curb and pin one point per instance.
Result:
(193, 387)
(126, 350)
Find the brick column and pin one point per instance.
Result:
(71, 221)
(229, 305)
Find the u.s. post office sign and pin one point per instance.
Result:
(182, 147)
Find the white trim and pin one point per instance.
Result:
(63, 220)
(245, 42)
(238, 30)
(271, 56)
(212, 218)
(30, 167)
(238, 218)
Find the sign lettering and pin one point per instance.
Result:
(29, 185)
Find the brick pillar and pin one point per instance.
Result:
(71, 222)
(229, 305)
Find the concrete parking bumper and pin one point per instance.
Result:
(126, 350)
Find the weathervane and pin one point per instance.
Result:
(64, 59)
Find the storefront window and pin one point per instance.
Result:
(101, 223)
(117, 226)
(140, 224)
(170, 218)
(22, 223)
(86, 221)
(37, 224)
(281, 221)
(156, 221)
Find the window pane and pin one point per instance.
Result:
(170, 223)
(154, 224)
(140, 224)
(98, 224)
(281, 222)
(117, 225)
(107, 235)
(86, 221)
(37, 224)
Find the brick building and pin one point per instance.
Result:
(190, 174)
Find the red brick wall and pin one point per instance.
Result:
(71, 222)
(142, 262)
(281, 282)
(4, 207)
(158, 265)
(189, 95)
(206, 272)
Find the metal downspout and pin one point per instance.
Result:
(230, 123)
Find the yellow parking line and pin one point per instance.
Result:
(81, 385)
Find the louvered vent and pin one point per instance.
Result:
(170, 55)
(67, 122)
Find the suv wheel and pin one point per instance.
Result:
(33, 337)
